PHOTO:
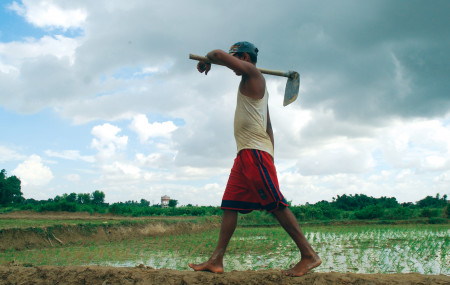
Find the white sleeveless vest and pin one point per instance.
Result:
(250, 123)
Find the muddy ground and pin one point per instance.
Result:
(79, 234)
(143, 275)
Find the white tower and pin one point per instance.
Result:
(165, 201)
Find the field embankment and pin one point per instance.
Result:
(26, 230)
(144, 275)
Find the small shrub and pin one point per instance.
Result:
(429, 213)
(369, 212)
(399, 213)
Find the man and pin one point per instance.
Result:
(253, 183)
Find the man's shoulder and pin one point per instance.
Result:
(253, 88)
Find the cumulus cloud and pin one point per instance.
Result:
(107, 141)
(32, 172)
(47, 14)
(118, 170)
(16, 53)
(406, 159)
(340, 156)
(145, 130)
(160, 160)
(423, 145)
(38, 66)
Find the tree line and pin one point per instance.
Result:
(342, 207)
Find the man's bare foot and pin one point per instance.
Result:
(305, 265)
(208, 266)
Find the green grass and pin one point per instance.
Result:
(363, 249)
(40, 223)
(18, 223)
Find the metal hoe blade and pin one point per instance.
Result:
(292, 88)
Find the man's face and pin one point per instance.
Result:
(237, 55)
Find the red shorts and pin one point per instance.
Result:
(253, 184)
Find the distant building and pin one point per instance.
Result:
(165, 201)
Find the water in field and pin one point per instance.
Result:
(359, 249)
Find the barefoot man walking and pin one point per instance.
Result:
(253, 183)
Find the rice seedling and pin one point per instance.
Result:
(360, 249)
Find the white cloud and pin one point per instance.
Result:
(107, 133)
(19, 51)
(145, 130)
(152, 70)
(46, 14)
(444, 177)
(407, 159)
(420, 144)
(149, 160)
(402, 81)
(7, 154)
(339, 156)
(6, 68)
(119, 170)
(32, 172)
(42, 66)
(164, 160)
(72, 177)
(70, 155)
(193, 173)
(107, 141)
(435, 162)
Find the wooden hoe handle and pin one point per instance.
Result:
(263, 70)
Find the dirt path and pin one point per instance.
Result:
(143, 275)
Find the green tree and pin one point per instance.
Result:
(434, 202)
(98, 197)
(72, 197)
(386, 202)
(10, 189)
(352, 203)
(84, 198)
(429, 213)
(173, 203)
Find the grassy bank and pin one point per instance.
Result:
(51, 233)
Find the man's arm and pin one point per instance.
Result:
(221, 57)
(252, 83)
(233, 63)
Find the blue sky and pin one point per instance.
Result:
(101, 95)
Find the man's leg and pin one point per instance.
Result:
(215, 262)
(309, 258)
